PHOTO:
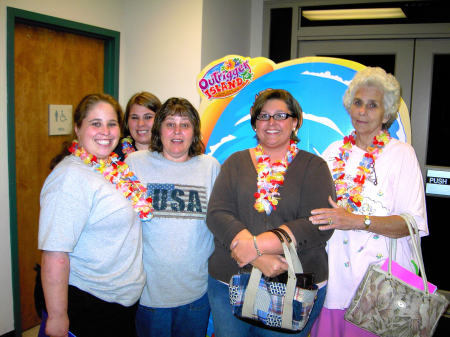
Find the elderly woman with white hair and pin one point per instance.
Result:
(377, 178)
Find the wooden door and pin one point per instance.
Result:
(51, 67)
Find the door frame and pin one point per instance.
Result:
(110, 86)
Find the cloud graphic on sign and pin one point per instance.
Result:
(243, 119)
(324, 121)
(224, 140)
(327, 74)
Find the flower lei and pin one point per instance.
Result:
(351, 198)
(271, 177)
(119, 174)
(127, 146)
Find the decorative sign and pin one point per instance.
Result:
(229, 85)
(59, 120)
(438, 182)
(225, 78)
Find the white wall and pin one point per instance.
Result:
(226, 27)
(162, 45)
(256, 28)
(161, 51)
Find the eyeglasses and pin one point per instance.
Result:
(278, 116)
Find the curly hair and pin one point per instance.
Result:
(387, 83)
(176, 106)
(283, 95)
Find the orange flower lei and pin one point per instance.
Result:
(119, 174)
(271, 177)
(351, 198)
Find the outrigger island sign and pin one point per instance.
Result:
(225, 78)
(228, 87)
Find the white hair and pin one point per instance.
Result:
(387, 83)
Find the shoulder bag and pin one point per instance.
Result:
(389, 306)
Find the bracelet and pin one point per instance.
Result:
(256, 246)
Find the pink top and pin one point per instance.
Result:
(399, 190)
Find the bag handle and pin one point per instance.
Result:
(298, 268)
(255, 277)
(415, 239)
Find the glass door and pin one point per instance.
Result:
(431, 116)
(430, 127)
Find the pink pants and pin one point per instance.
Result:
(331, 323)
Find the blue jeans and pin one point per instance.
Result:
(186, 320)
(227, 325)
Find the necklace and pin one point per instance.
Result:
(127, 146)
(351, 198)
(119, 174)
(271, 177)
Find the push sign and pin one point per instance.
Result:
(438, 182)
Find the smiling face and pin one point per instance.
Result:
(275, 135)
(140, 122)
(177, 134)
(99, 131)
(367, 112)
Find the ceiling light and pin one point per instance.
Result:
(354, 14)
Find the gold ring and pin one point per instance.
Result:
(330, 222)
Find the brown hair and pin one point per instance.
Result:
(81, 111)
(283, 95)
(179, 107)
(144, 99)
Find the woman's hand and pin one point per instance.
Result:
(271, 265)
(57, 326)
(242, 248)
(335, 218)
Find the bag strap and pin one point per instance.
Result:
(415, 239)
(255, 277)
(298, 268)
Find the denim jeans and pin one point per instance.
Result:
(227, 325)
(186, 320)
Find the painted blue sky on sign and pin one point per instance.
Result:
(318, 87)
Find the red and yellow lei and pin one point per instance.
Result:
(351, 198)
(271, 177)
(119, 174)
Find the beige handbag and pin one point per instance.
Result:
(387, 306)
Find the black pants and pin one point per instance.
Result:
(92, 317)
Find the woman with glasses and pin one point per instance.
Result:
(272, 185)
(377, 178)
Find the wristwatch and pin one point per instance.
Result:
(367, 221)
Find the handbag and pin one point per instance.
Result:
(282, 303)
(388, 306)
